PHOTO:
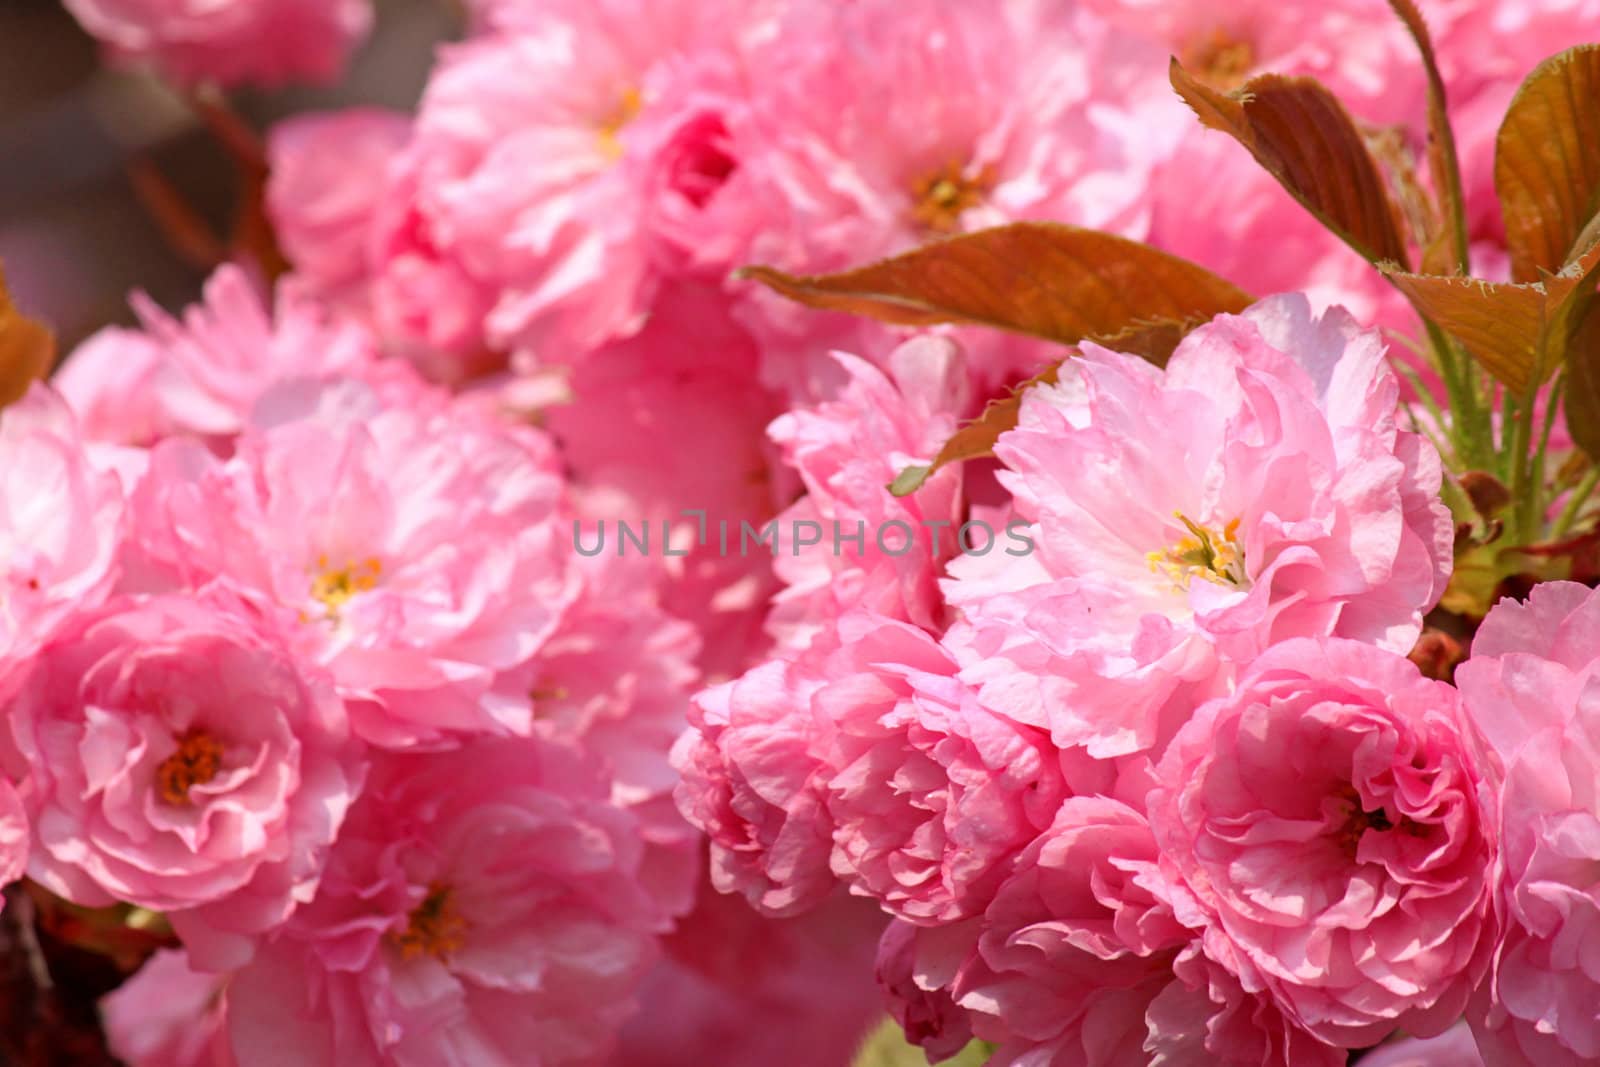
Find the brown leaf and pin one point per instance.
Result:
(1442, 162)
(27, 349)
(1581, 402)
(1153, 341)
(1046, 279)
(1518, 331)
(978, 437)
(1547, 161)
(1305, 138)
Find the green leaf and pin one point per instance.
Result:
(1305, 138)
(887, 1047)
(1547, 162)
(1519, 332)
(1048, 280)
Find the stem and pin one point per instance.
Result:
(1519, 417)
(1438, 433)
(1537, 481)
(1469, 426)
(1580, 496)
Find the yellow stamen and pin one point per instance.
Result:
(611, 126)
(942, 196)
(197, 761)
(1217, 558)
(335, 586)
(434, 928)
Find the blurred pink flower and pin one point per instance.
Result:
(521, 197)
(683, 393)
(482, 908)
(930, 1017)
(1453, 1048)
(862, 148)
(61, 524)
(230, 42)
(203, 374)
(168, 1015)
(327, 174)
(614, 679)
(739, 989)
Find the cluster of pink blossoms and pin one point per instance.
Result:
(297, 651)
(298, 655)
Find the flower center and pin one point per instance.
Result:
(1359, 821)
(335, 586)
(1219, 59)
(197, 761)
(434, 927)
(941, 197)
(1204, 553)
(609, 134)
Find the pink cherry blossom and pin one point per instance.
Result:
(14, 835)
(482, 908)
(614, 679)
(1206, 1017)
(752, 781)
(520, 194)
(1331, 831)
(931, 794)
(1258, 489)
(1073, 948)
(861, 149)
(61, 524)
(847, 451)
(931, 1018)
(1531, 687)
(326, 177)
(168, 1015)
(683, 393)
(737, 987)
(414, 550)
(177, 756)
(1453, 1048)
(229, 42)
(1355, 47)
(203, 374)
(1244, 227)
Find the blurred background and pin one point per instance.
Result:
(74, 234)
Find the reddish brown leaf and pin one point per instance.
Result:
(1518, 331)
(1581, 402)
(978, 437)
(27, 349)
(1303, 136)
(1049, 280)
(1442, 163)
(1153, 341)
(1547, 162)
